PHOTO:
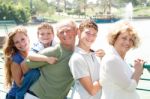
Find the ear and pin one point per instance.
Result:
(78, 32)
(57, 35)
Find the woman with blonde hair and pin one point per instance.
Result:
(117, 78)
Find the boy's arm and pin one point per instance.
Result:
(41, 58)
(37, 57)
(46, 52)
(32, 64)
(91, 87)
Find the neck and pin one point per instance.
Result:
(69, 47)
(84, 47)
(122, 54)
(47, 45)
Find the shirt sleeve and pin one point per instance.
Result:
(78, 66)
(17, 58)
(115, 69)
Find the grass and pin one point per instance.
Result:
(142, 11)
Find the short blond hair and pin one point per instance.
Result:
(45, 25)
(88, 23)
(123, 27)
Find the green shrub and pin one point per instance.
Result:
(14, 12)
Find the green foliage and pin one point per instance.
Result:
(39, 6)
(141, 11)
(10, 11)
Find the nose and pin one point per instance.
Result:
(65, 33)
(22, 43)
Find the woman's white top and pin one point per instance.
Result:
(116, 78)
(83, 64)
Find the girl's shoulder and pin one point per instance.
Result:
(17, 57)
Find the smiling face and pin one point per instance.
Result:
(87, 37)
(123, 43)
(87, 34)
(21, 41)
(66, 35)
(45, 36)
(123, 37)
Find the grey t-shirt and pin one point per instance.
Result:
(84, 64)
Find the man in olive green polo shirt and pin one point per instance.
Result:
(56, 79)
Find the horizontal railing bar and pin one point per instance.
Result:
(143, 89)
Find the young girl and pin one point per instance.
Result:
(15, 49)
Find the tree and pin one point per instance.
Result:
(81, 6)
(105, 5)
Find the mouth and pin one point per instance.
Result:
(89, 41)
(23, 48)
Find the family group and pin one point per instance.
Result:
(49, 69)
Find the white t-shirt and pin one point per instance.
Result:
(84, 64)
(115, 78)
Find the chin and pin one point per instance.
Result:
(23, 49)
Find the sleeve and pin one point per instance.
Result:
(115, 68)
(17, 58)
(78, 66)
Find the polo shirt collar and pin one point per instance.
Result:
(80, 50)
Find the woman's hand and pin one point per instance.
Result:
(138, 66)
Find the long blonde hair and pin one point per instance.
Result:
(9, 50)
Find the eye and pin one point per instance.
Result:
(124, 38)
(41, 34)
(48, 33)
(16, 42)
(68, 31)
(61, 32)
(90, 34)
(22, 39)
(131, 40)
